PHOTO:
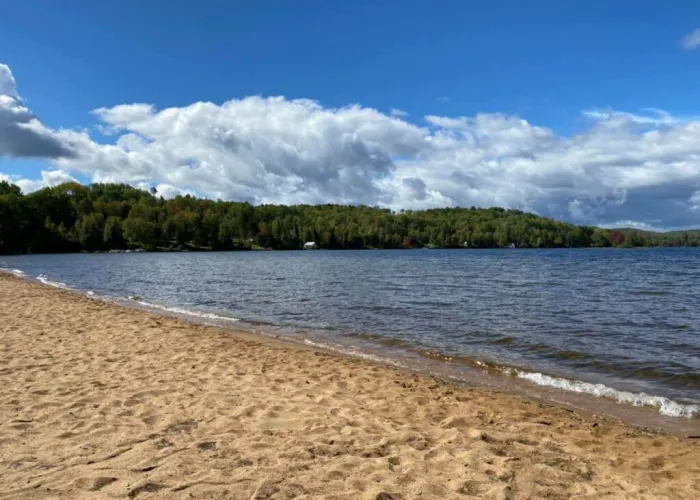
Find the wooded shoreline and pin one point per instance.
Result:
(103, 217)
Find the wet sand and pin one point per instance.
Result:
(101, 401)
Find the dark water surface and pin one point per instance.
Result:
(619, 324)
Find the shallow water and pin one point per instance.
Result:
(617, 324)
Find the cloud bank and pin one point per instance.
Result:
(637, 169)
(21, 133)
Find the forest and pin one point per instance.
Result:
(106, 217)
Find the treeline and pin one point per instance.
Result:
(101, 217)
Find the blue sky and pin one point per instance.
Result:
(545, 62)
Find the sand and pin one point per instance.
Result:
(101, 401)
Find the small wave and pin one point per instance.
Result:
(182, 311)
(354, 353)
(652, 293)
(665, 406)
(17, 272)
(504, 341)
(56, 284)
(260, 323)
(437, 355)
(382, 340)
(572, 355)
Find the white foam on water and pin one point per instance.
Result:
(665, 406)
(56, 284)
(17, 272)
(184, 312)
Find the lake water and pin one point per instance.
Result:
(619, 325)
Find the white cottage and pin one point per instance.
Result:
(310, 245)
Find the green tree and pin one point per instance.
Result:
(90, 229)
(73, 217)
(7, 188)
(140, 232)
(113, 235)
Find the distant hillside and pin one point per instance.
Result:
(628, 230)
(101, 217)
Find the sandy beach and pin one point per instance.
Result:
(101, 401)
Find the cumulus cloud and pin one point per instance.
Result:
(49, 178)
(639, 168)
(256, 149)
(8, 86)
(21, 133)
(692, 40)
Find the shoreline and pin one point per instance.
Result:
(102, 400)
(329, 249)
(639, 409)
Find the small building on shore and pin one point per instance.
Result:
(310, 245)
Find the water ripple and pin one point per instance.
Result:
(629, 320)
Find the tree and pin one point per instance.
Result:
(7, 188)
(90, 229)
(113, 235)
(73, 217)
(601, 238)
(140, 232)
(14, 222)
(617, 238)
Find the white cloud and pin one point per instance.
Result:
(257, 149)
(398, 112)
(694, 200)
(446, 122)
(642, 168)
(48, 178)
(657, 117)
(8, 86)
(692, 40)
(630, 224)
